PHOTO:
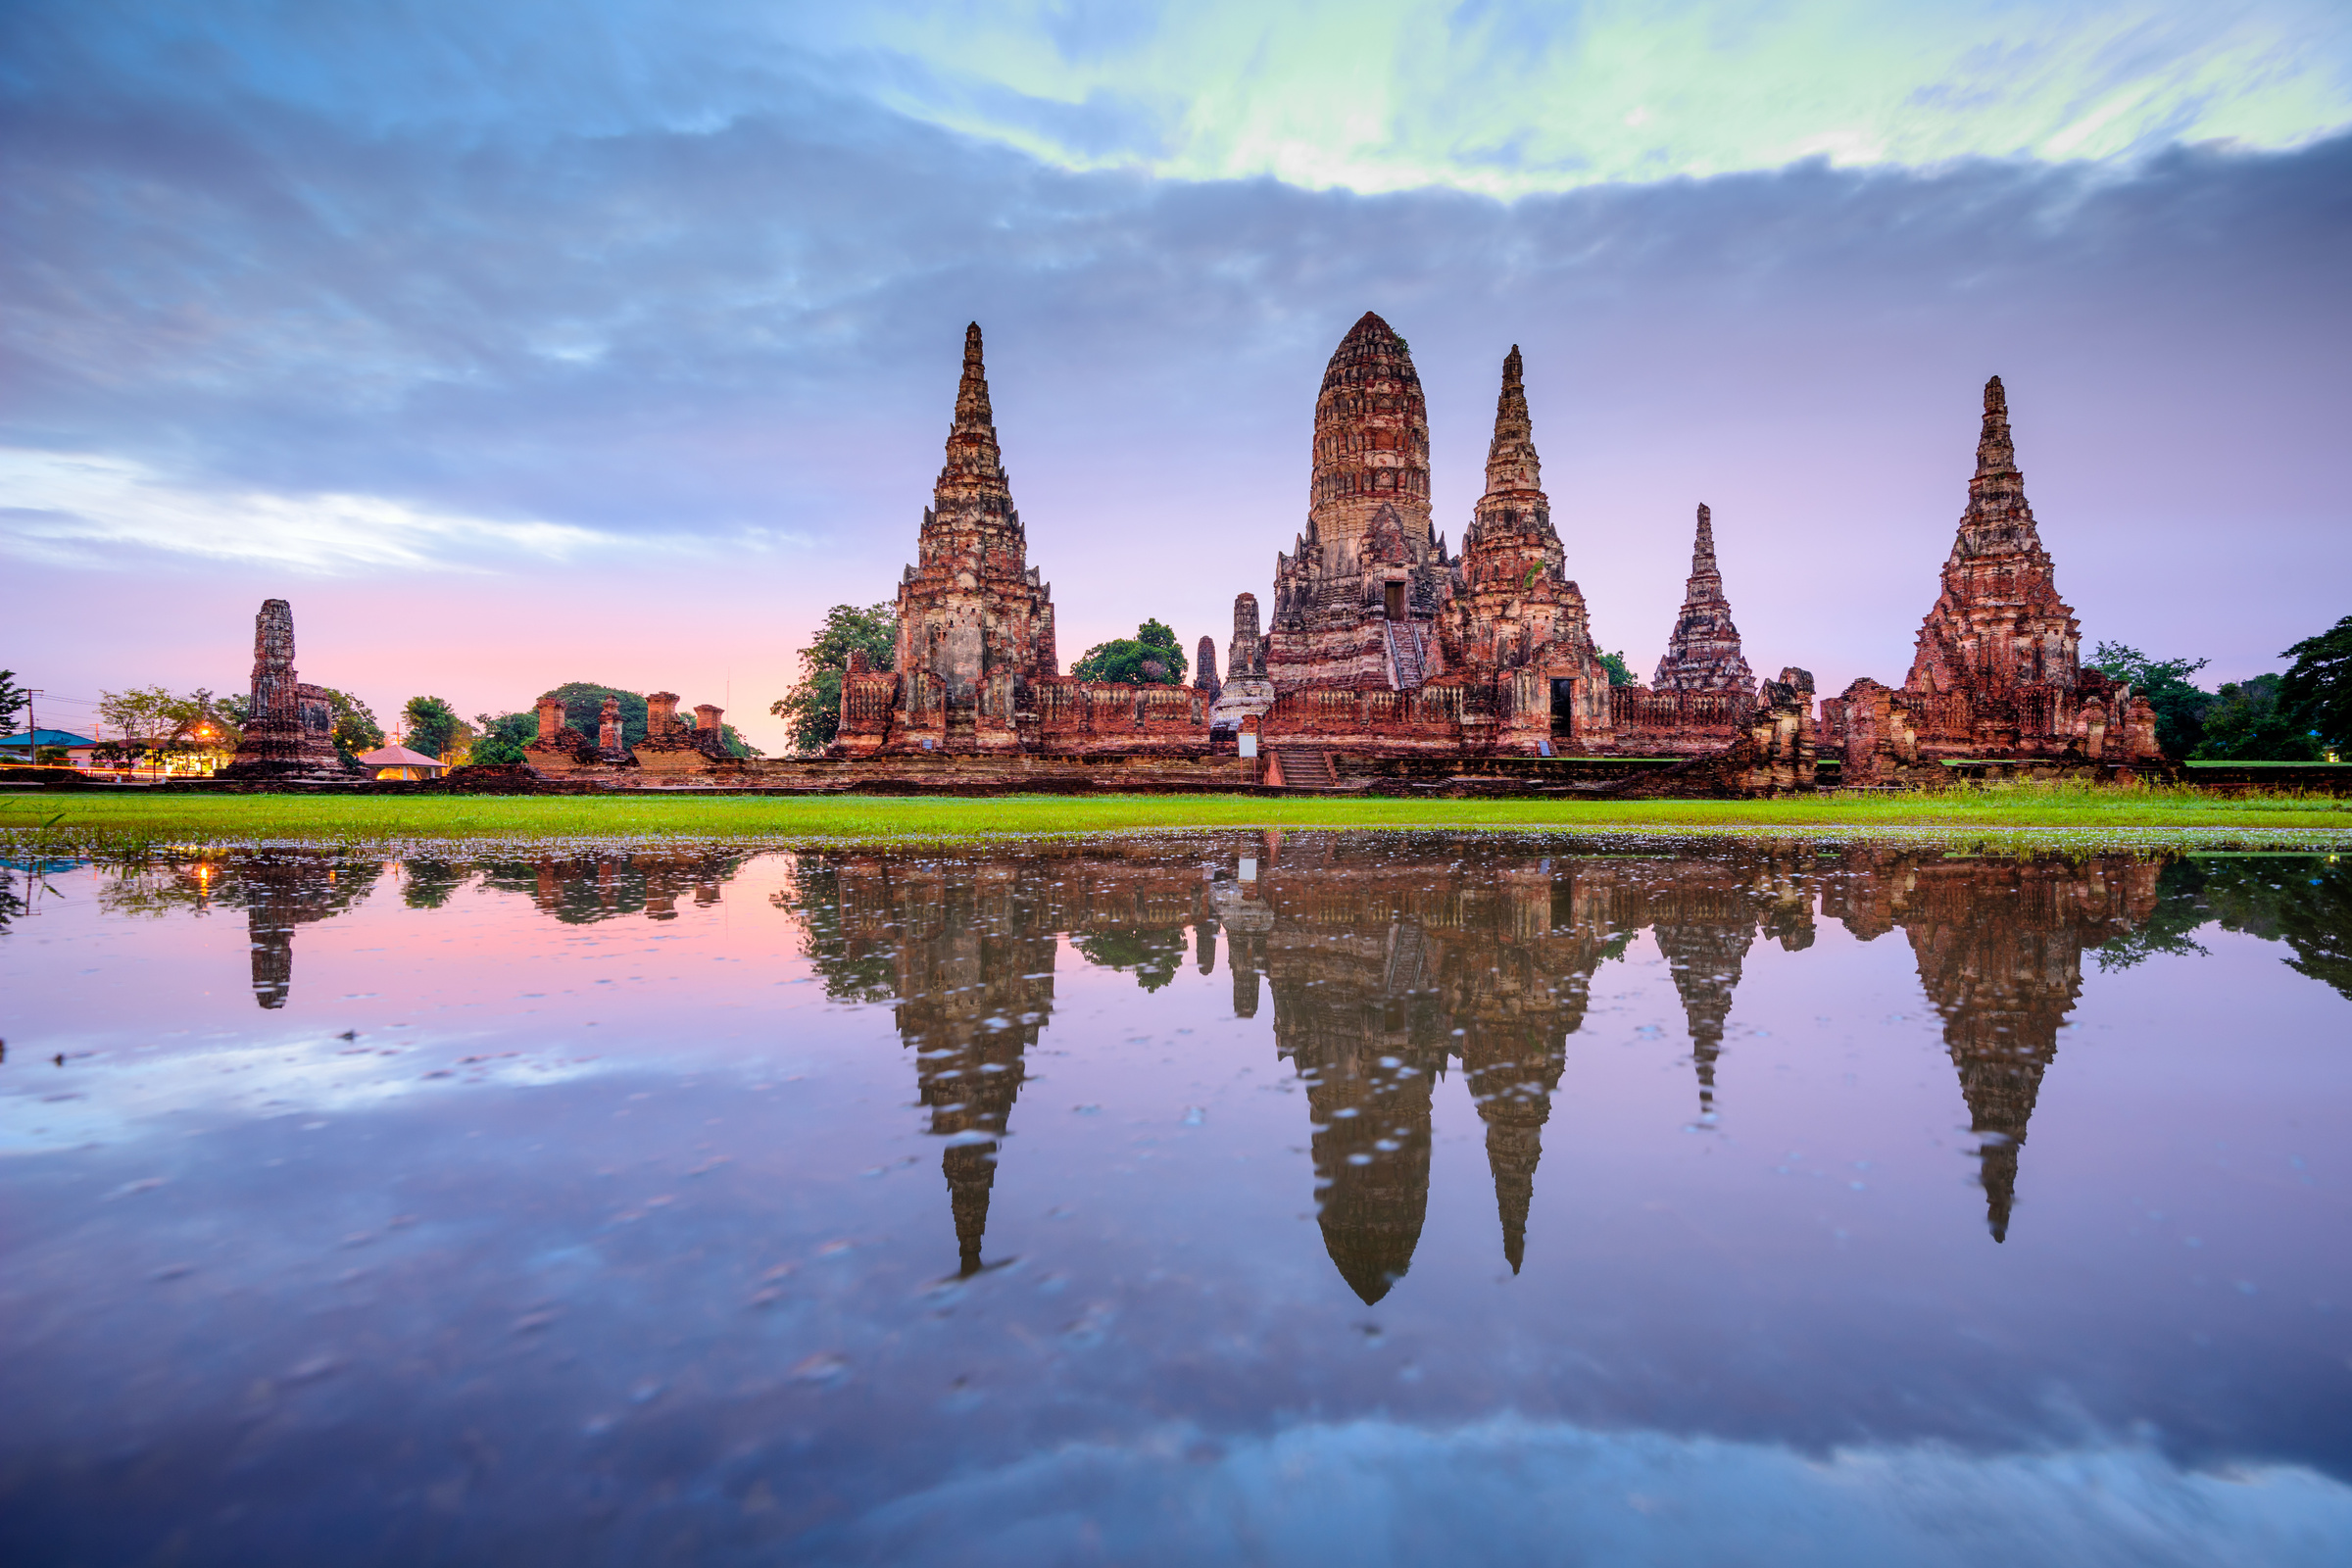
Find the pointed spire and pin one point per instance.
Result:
(973, 457)
(1513, 1150)
(971, 1170)
(1511, 462)
(1996, 453)
(1702, 653)
(1705, 576)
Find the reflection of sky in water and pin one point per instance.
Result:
(1417, 1200)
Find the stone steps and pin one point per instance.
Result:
(1305, 770)
(1404, 652)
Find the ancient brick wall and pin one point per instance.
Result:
(1676, 723)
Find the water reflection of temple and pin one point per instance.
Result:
(966, 953)
(1388, 960)
(595, 885)
(278, 894)
(1387, 968)
(2000, 947)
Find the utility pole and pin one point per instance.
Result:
(32, 724)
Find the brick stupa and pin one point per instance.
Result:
(1997, 671)
(1367, 558)
(1999, 626)
(288, 734)
(1702, 655)
(975, 619)
(1512, 621)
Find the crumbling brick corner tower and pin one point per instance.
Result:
(975, 621)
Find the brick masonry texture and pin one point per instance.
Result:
(1702, 653)
(1997, 672)
(289, 730)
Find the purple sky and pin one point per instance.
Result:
(516, 344)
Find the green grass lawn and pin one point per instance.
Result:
(2024, 814)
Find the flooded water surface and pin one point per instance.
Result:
(1233, 1198)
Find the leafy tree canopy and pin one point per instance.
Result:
(13, 701)
(355, 729)
(2180, 704)
(503, 736)
(812, 709)
(159, 717)
(2317, 687)
(433, 724)
(1152, 656)
(2248, 723)
(1620, 674)
(1153, 956)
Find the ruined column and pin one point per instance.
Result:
(608, 729)
(1205, 670)
(660, 712)
(551, 717)
(1245, 692)
(706, 716)
(271, 746)
(1247, 654)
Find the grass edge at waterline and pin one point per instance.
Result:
(51, 823)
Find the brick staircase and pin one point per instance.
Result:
(1404, 652)
(1306, 771)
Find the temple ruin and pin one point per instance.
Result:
(975, 673)
(1998, 672)
(289, 732)
(673, 746)
(1382, 661)
(1380, 647)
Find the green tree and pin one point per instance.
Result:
(143, 712)
(2317, 688)
(1620, 674)
(1152, 656)
(2248, 723)
(431, 725)
(503, 737)
(354, 728)
(812, 709)
(2179, 705)
(14, 699)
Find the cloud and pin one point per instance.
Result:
(1502, 97)
(488, 287)
(1515, 1490)
(94, 511)
(1518, 96)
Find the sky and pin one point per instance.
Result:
(520, 342)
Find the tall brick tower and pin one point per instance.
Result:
(975, 621)
(1511, 615)
(1999, 626)
(1367, 558)
(1702, 655)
